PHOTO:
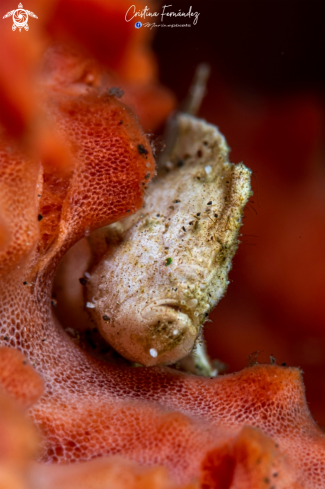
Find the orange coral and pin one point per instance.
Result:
(104, 473)
(123, 53)
(90, 408)
(18, 444)
(19, 379)
(251, 429)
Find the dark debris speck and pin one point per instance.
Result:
(142, 150)
(115, 92)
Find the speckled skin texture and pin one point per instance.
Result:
(193, 426)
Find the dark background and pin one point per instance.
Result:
(263, 46)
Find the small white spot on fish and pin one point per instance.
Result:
(153, 352)
(208, 169)
(90, 305)
(87, 275)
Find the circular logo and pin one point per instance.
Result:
(20, 18)
(138, 25)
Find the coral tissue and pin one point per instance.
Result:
(73, 166)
